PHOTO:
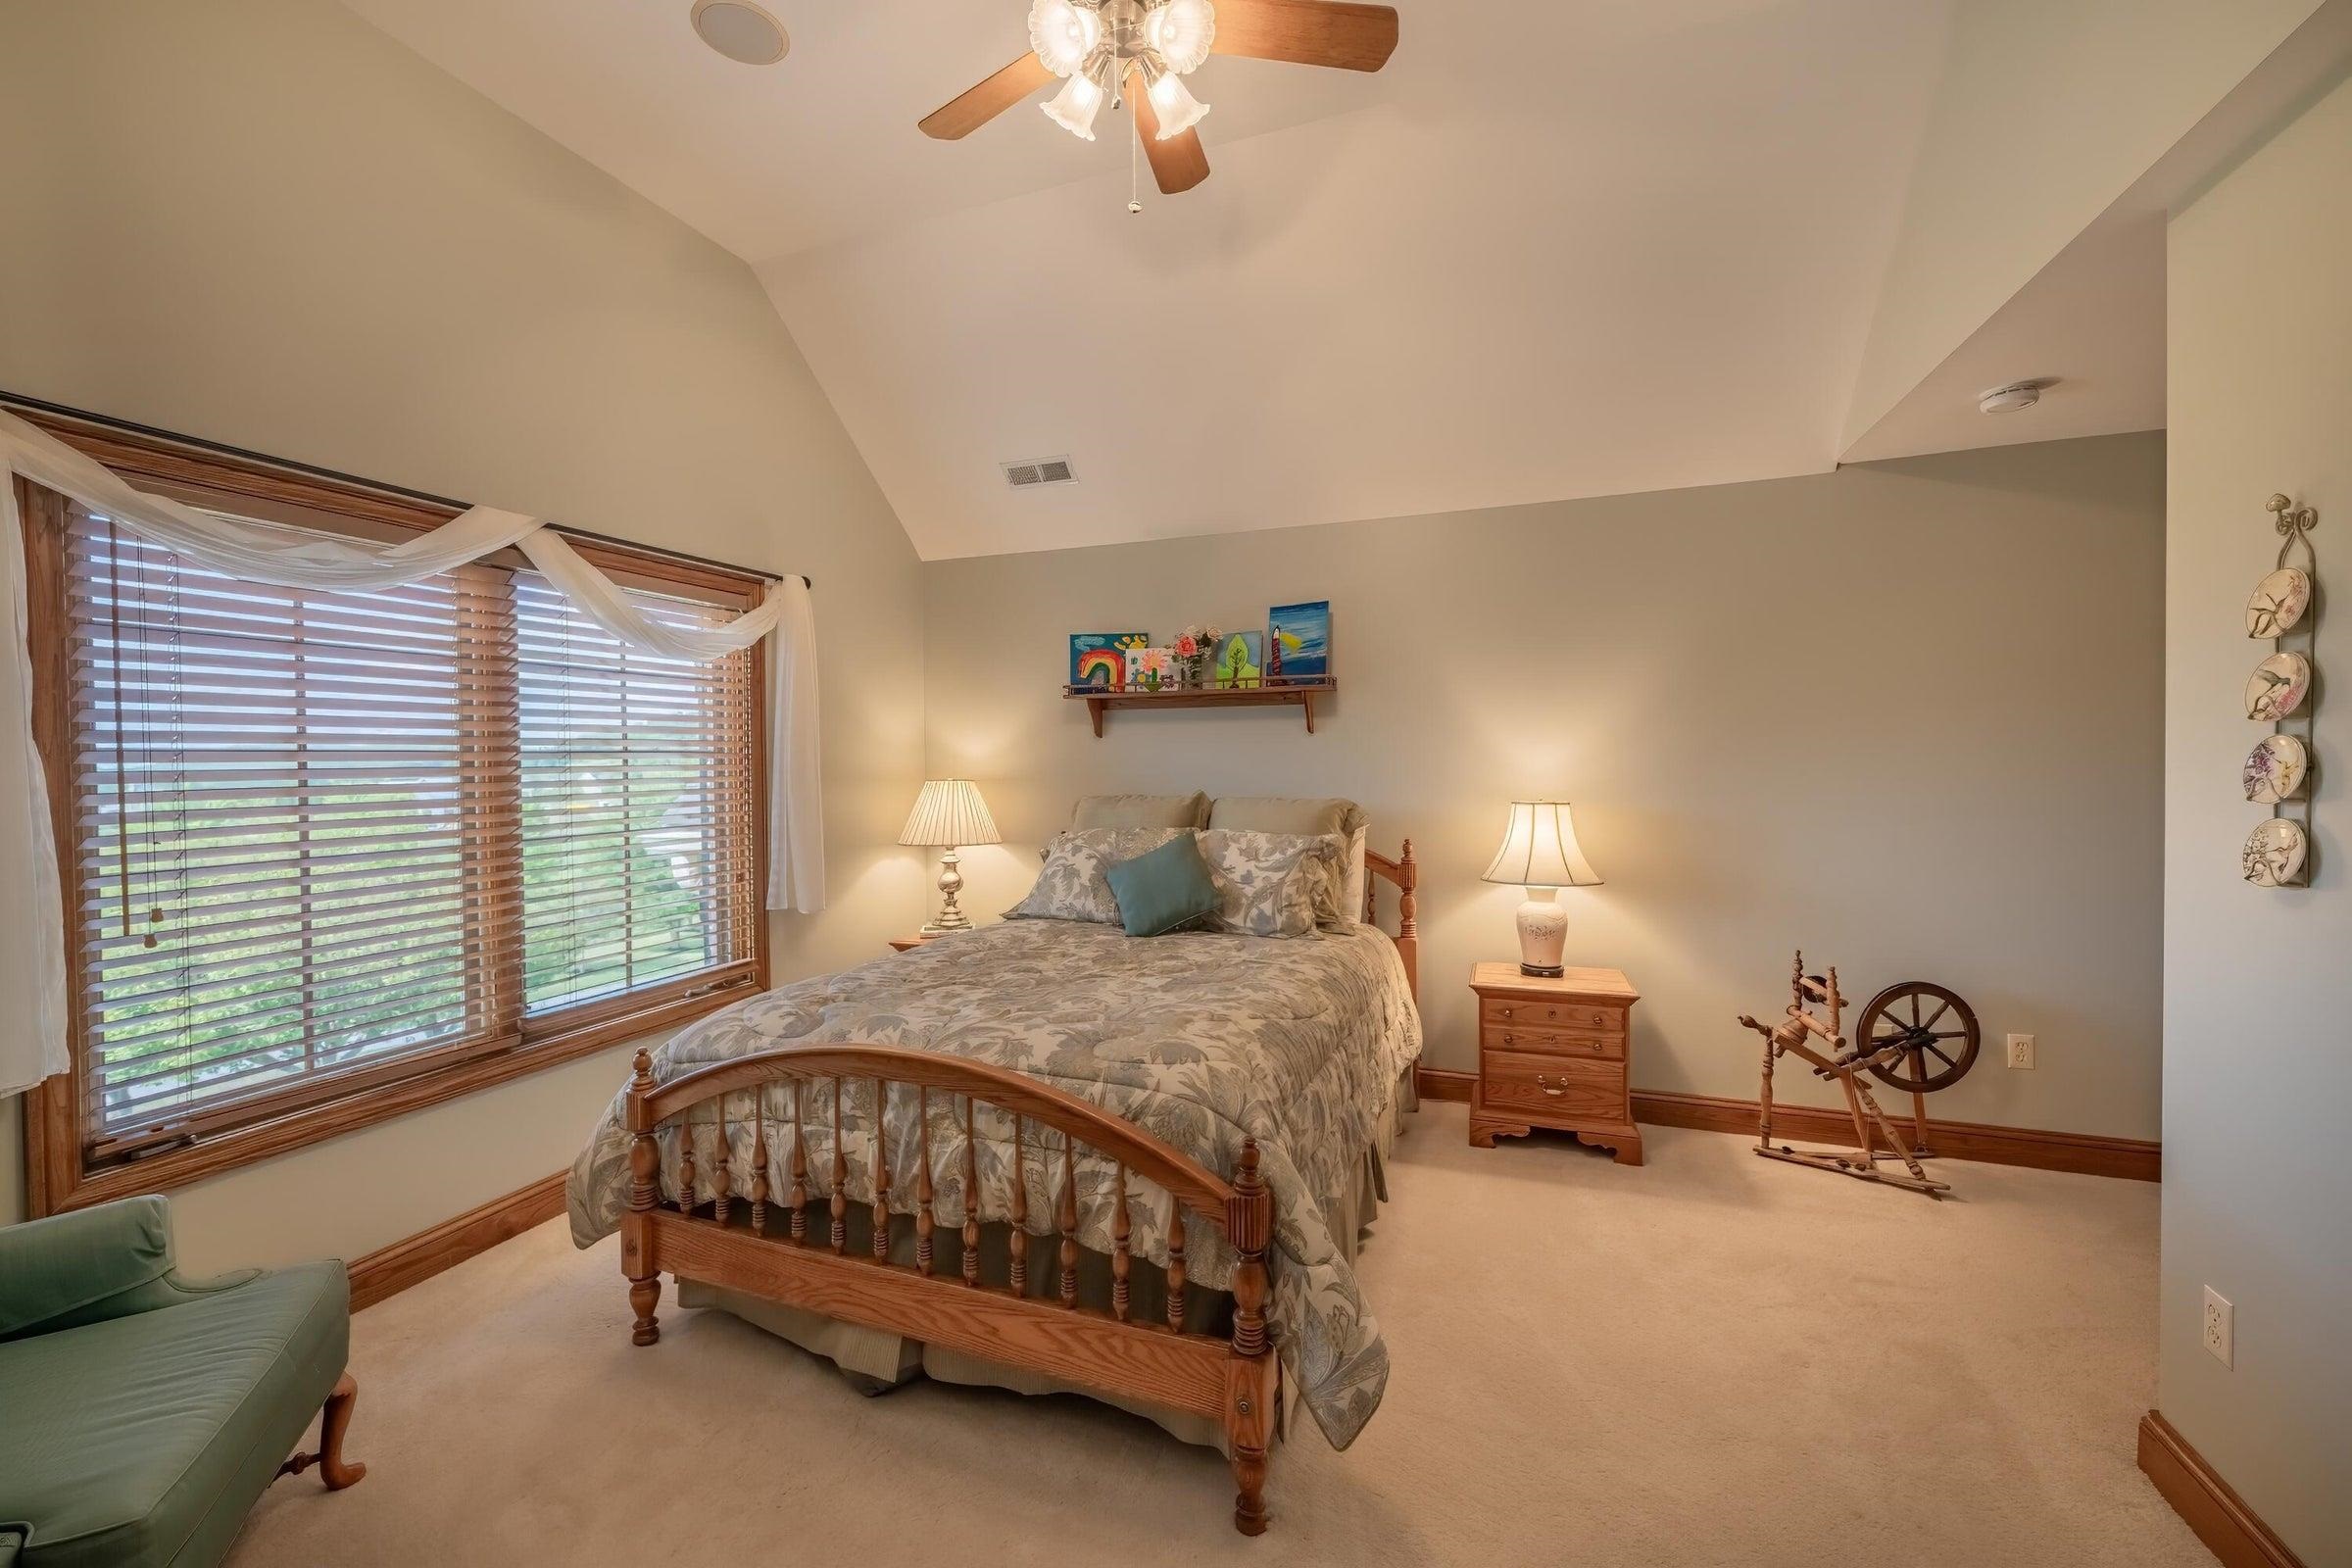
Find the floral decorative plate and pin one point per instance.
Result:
(2273, 854)
(2276, 769)
(2278, 687)
(2278, 603)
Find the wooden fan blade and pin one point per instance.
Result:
(1177, 164)
(1306, 33)
(959, 117)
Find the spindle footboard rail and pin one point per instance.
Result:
(701, 1236)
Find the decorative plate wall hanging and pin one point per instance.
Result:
(2273, 854)
(2276, 769)
(2278, 687)
(2278, 603)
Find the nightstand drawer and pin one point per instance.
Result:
(1582, 1016)
(1558, 1042)
(1553, 1087)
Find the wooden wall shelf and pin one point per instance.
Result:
(1300, 694)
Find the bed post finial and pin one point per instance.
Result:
(1249, 1368)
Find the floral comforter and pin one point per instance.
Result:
(1201, 1039)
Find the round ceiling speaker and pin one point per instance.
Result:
(741, 31)
(2011, 398)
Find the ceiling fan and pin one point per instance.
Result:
(1097, 46)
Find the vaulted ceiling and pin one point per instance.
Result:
(1555, 249)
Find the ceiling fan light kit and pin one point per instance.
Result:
(1093, 46)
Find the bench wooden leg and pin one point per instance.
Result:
(332, 1423)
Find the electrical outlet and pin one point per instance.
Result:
(2220, 1328)
(2021, 1051)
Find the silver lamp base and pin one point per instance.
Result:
(951, 883)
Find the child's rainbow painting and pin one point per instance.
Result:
(1096, 658)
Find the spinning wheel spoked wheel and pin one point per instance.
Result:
(1936, 1031)
(1935, 1028)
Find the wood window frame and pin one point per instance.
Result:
(59, 1176)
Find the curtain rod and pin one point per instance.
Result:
(133, 428)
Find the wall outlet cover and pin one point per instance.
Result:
(2220, 1328)
(2021, 1051)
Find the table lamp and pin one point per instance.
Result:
(947, 815)
(1539, 854)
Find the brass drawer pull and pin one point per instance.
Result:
(1506, 1012)
(1543, 1082)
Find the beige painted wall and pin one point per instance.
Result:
(281, 230)
(2257, 987)
(1906, 715)
(2045, 114)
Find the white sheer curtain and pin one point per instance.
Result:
(796, 868)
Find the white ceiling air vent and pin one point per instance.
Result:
(1039, 471)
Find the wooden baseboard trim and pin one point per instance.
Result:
(1442, 1083)
(2083, 1153)
(389, 1270)
(2229, 1529)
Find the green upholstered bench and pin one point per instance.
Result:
(146, 1413)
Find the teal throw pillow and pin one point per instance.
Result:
(1165, 889)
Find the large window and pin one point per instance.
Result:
(331, 855)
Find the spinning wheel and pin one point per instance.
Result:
(1935, 1028)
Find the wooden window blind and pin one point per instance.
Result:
(640, 800)
(328, 848)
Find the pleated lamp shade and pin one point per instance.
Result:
(1540, 849)
(950, 812)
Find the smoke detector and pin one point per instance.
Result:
(741, 30)
(1039, 471)
(2015, 396)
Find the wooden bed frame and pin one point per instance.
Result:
(1233, 1381)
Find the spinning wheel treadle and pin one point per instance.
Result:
(1935, 1027)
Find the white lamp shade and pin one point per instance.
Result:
(950, 812)
(1175, 107)
(1063, 34)
(1540, 849)
(1073, 108)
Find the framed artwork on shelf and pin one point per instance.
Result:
(1240, 661)
(1299, 641)
(1099, 658)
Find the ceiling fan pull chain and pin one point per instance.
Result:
(1135, 178)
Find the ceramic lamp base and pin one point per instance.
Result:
(1542, 933)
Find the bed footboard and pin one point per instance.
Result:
(764, 1247)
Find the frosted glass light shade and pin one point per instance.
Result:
(1073, 108)
(1540, 849)
(1063, 34)
(949, 812)
(1175, 107)
(1182, 31)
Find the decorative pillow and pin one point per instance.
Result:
(1072, 885)
(1167, 888)
(1140, 810)
(1343, 904)
(1269, 884)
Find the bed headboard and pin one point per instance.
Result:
(1406, 874)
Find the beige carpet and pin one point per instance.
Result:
(1715, 1359)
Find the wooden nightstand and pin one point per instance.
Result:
(1553, 1054)
(902, 944)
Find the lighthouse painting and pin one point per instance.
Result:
(1299, 641)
